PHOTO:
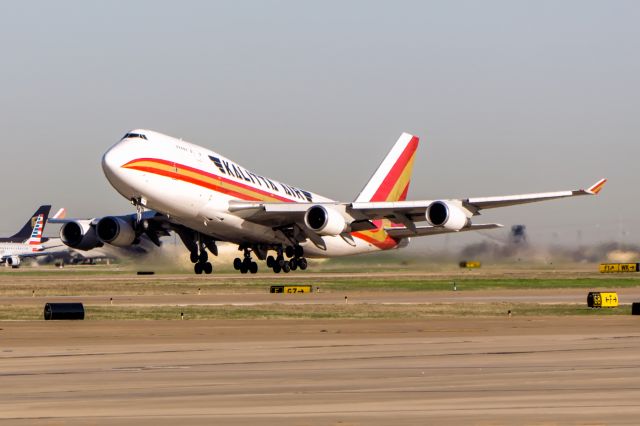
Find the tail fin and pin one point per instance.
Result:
(60, 214)
(40, 216)
(38, 229)
(391, 180)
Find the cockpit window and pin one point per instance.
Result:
(134, 135)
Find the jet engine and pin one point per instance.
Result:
(13, 261)
(79, 235)
(116, 231)
(446, 215)
(325, 221)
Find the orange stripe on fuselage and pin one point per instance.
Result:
(204, 179)
(378, 237)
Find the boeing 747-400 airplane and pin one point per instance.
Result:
(205, 197)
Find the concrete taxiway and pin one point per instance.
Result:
(438, 371)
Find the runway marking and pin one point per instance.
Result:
(368, 411)
(152, 367)
(101, 354)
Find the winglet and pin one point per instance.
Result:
(597, 187)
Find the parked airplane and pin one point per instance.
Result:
(28, 242)
(205, 198)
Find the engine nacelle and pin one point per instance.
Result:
(115, 231)
(325, 221)
(14, 261)
(446, 215)
(79, 235)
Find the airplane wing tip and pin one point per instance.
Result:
(597, 187)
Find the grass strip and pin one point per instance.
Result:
(293, 312)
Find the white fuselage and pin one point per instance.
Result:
(18, 249)
(194, 187)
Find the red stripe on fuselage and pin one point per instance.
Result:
(178, 176)
(387, 243)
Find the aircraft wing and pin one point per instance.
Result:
(415, 209)
(280, 215)
(511, 200)
(421, 231)
(360, 214)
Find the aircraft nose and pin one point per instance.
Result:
(112, 162)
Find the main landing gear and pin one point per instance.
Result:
(201, 261)
(296, 260)
(287, 259)
(246, 264)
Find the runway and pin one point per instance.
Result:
(402, 370)
(356, 372)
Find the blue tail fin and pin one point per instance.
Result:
(26, 231)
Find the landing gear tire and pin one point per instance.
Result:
(237, 263)
(253, 267)
(207, 268)
(289, 251)
(286, 267)
(302, 263)
(293, 264)
(244, 269)
(277, 268)
(270, 261)
(198, 268)
(203, 257)
(299, 251)
(280, 262)
(194, 257)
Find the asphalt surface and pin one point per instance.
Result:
(566, 370)
(439, 370)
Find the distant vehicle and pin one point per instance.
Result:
(28, 242)
(205, 198)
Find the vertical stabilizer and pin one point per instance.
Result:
(391, 180)
(27, 230)
(36, 234)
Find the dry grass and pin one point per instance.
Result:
(87, 282)
(293, 312)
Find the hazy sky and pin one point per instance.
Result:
(506, 96)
